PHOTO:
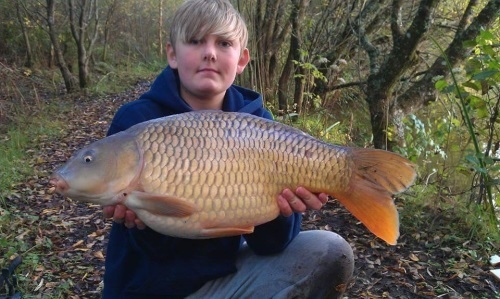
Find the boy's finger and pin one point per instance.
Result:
(294, 201)
(139, 224)
(323, 197)
(119, 213)
(310, 199)
(284, 206)
(108, 211)
(130, 218)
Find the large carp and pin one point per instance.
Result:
(208, 174)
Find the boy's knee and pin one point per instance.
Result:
(334, 260)
(336, 252)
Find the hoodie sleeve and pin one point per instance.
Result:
(274, 236)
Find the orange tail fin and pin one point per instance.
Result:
(378, 175)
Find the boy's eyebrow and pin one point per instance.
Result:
(228, 38)
(225, 36)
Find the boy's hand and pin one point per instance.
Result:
(121, 214)
(290, 202)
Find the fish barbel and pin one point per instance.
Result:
(208, 174)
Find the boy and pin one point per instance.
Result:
(207, 49)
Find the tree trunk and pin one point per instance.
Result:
(296, 18)
(29, 55)
(300, 76)
(379, 116)
(271, 27)
(69, 80)
(160, 29)
(345, 45)
(284, 84)
(87, 15)
(111, 10)
(384, 75)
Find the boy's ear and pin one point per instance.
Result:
(171, 57)
(243, 61)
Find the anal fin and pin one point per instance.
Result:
(218, 232)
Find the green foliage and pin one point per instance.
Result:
(309, 75)
(423, 141)
(463, 221)
(455, 143)
(477, 95)
(321, 125)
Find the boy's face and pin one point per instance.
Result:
(207, 67)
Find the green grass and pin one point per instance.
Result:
(10, 161)
(21, 135)
(434, 209)
(113, 80)
(321, 125)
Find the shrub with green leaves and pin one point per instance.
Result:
(476, 92)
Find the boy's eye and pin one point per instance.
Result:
(194, 41)
(225, 44)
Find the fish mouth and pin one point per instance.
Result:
(62, 187)
(59, 183)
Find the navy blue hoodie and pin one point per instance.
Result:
(146, 264)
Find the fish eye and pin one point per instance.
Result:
(87, 156)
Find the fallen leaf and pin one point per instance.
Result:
(99, 255)
(80, 242)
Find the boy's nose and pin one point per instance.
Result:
(209, 56)
(209, 53)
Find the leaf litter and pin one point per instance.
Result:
(66, 241)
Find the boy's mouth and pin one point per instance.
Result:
(207, 70)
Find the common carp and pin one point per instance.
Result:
(208, 174)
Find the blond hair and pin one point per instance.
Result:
(197, 18)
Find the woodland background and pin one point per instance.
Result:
(419, 77)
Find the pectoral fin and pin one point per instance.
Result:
(160, 204)
(225, 232)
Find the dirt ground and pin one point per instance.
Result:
(428, 262)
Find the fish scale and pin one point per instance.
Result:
(210, 174)
(238, 164)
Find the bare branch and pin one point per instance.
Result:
(371, 50)
(396, 22)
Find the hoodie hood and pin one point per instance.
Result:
(164, 99)
(165, 92)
